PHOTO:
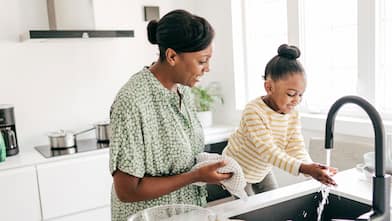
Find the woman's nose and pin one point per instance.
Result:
(206, 67)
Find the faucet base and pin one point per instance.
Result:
(381, 197)
(381, 200)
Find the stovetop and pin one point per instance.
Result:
(81, 146)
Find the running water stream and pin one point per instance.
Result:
(328, 157)
(324, 190)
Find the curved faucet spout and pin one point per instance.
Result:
(377, 126)
(381, 182)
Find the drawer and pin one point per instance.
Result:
(74, 185)
(19, 198)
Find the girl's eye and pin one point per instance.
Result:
(291, 95)
(202, 62)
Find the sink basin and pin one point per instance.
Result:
(305, 208)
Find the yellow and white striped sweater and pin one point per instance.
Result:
(265, 139)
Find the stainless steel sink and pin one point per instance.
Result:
(305, 208)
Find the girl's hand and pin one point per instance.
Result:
(209, 173)
(320, 172)
(332, 170)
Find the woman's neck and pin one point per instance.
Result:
(163, 73)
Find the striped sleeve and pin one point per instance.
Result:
(296, 144)
(261, 138)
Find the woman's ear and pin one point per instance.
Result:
(171, 56)
(268, 86)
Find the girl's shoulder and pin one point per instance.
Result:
(257, 105)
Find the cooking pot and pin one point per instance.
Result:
(102, 131)
(64, 139)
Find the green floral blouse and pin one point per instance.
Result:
(153, 136)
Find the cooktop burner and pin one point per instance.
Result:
(81, 146)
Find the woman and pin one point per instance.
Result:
(155, 131)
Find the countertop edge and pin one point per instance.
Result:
(214, 134)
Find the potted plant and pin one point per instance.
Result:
(204, 98)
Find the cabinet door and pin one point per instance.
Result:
(19, 199)
(75, 185)
(101, 214)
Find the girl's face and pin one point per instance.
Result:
(284, 94)
(191, 66)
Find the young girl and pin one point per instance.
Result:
(270, 132)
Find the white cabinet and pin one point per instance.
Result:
(101, 214)
(74, 186)
(19, 198)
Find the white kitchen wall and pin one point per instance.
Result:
(219, 14)
(68, 84)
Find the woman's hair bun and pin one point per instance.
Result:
(289, 51)
(152, 31)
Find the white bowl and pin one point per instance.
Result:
(368, 161)
(174, 212)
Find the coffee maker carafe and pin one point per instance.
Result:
(8, 129)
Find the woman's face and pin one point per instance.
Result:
(286, 93)
(192, 65)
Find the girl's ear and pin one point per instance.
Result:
(268, 86)
(171, 56)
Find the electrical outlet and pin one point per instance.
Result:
(151, 13)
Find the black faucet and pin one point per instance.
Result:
(381, 181)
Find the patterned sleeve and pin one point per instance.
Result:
(126, 143)
(296, 144)
(261, 138)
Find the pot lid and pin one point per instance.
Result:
(102, 123)
(60, 133)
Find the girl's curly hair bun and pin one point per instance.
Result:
(289, 51)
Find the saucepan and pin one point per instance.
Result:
(64, 139)
(102, 131)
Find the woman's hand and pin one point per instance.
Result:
(209, 173)
(320, 172)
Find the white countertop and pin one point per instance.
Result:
(33, 157)
(213, 134)
(351, 184)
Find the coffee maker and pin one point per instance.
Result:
(8, 129)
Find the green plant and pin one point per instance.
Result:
(205, 97)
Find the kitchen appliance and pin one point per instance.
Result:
(65, 139)
(83, 145)
(78, 19)
(2, 149)
(8, 129)
(65, 142)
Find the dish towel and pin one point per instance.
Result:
(236, 184)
